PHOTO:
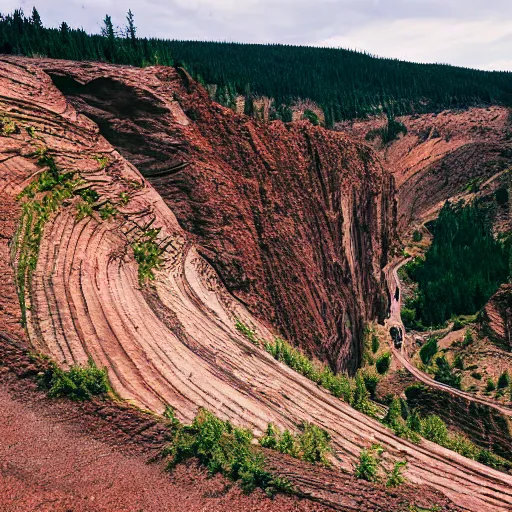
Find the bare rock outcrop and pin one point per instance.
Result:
(443, 156)
(496, 317)
(297, 220)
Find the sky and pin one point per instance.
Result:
(471, 33)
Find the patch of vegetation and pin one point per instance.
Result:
(395, 477)
(83, 210)
(312, 444)
(375, 343)
(491, 386)
(451, 278)
(389, 132)
(89, 195)
(446, 374)
(368, 465)
(352, 392)
(429, 350)
(8, 126)
(433, 428)
(78, 383)
(41, 198)
(402, 428)
(107, 211)
(148, 254)
(103, 160)
(311, 117)
(370, 381)
(504, 380)
(124, 198)
(383, 363)
(417, 236)
(249, 333)
(225, 449)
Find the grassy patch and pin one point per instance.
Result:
(249, 333)
(433, 428)
(8, 126)
(77, 383)
(107, 211)
(41, 198)
(225, 449)
(352, 391)
(104, 161)
(148, 254)
(311, 444)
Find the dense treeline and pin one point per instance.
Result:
(462, 268)
(346, 84)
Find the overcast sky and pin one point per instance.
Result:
(473, 33)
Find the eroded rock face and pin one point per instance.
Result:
(297, 220)
(497, 316)
(443, 156)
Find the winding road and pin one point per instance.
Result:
(401, 355)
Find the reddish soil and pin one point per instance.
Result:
(99, 453)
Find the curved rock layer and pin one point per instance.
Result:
(296, 220)
(442, 155)
(174, 341)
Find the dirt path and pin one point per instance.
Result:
(401, 354)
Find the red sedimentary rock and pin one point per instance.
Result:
(174, 340)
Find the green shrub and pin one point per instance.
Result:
(375, 343)
(429, 350)
(491, 386)
(476, 375)
(458, 362)
(247, 332)
(396, 422)
(77, 383)
(107, 211)
(383, 363)
(361, 401)
(368, 466)
(311, 117)
(88, 195)
(312, 444)
(148, 254)
(434, 429)
(395, 476)
(124, 198)
(445, 374)
(83, 210)
(417, 236)
(224, 449)
(408, 317)
(504, 380)
(370, 381)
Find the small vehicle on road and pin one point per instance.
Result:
(396, 336)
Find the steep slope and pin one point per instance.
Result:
(296, 220)
(174, 341)
(496, 321)
(443, 156)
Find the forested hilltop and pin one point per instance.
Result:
(345, 84)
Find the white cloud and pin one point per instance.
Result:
(465, 43)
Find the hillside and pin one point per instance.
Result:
(345, 84)
(92, 231)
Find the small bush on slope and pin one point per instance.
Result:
(224, 449)
(383, 363)
(311, 445)
(77, 383)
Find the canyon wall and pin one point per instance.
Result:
(443, 156)
(296, 220)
